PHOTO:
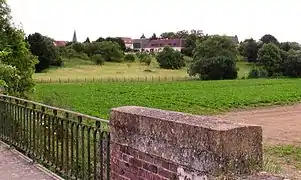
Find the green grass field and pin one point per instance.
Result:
(78, 69)
(198, 97)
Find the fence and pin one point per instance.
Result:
(114, 79)
(70, 144)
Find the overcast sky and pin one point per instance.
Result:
(130, 18)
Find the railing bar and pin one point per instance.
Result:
(30, 132)
(72, 148)
(67, 146)
(45, 138)
(57, 145)
(95, 153)
(108, 156)
(62, 135)
(89, 151)
(50, 128)
(83, 152)
(101, 154)
(34, 131)
(26, 133)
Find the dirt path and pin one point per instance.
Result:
(281, 125)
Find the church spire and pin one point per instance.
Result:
(74, 37)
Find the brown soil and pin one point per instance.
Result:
(281, 125)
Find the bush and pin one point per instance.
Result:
(129, 58)
(214, 68)
(170, 59)
(145, 58)
(98, 59)
(257, 72)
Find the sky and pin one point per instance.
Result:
(130, 18)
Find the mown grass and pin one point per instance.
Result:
(289, 154)
(85, 69)
(198, 97)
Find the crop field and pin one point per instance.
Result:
(75, 70)
(198, 97)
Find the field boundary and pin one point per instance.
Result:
(113, 79)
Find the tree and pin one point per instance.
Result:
(100, 39)
(182, 34)
(170, 59)
(43, 47)
(286, 46)
(168, 35)
(110, 51)
(15, 55)
(292, 65)
(154, 37)
(214, 68)
(143, 36)
(87, 40)
(268, 38)
(78, 47)
(119, 41)
(98, 59)
(215, 46)
(145, 58)
(214, 58)
(269, 57)
(250, 49)
(190, 43)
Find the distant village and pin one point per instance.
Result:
(149, 44)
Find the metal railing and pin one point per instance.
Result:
(73, 145)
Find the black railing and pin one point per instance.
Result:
(73, 145)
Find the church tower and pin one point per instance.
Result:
(74, 37)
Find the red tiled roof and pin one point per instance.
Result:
(127, 40)
(60, 43)
(165, 42)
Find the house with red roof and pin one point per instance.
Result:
(128, 42)
(157, 45)
(60, 43)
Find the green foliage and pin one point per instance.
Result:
(215, 58)
(269, 57)
(215, 68)
(110, 51)
(292, 65)
(98, 59)
(117, 40)
(216, 46)
(129, 57)
(170, 59)
(268, 38)
(249, 49)
(43, 47)
(286, 46)
(145, 58)
(257, 72)
(205, 97)
(17, 54)
(78, 47)
(9, 76)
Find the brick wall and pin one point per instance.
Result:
(151, 144)
(128, 163)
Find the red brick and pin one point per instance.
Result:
(130, 175)
(115, 146)
(146, 157)
(133, 152)
(156, 177)
(173, 167)
(144, 174)
(165, 165)
(164, 173)
(135, 162)
(125, 157)
(150, 167)
(116, 154)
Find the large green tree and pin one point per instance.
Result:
(170, 59)
(249, 49)
(269, 57)
(110, 51)
(44, 48)
(15, 56)
(214, 58)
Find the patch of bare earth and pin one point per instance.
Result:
(281, 126)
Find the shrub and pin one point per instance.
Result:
(129, 58)
(170, 59)
(110, 51)
(214, 68)
(145, 58)
(98, 59)
(257, 72)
